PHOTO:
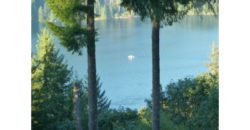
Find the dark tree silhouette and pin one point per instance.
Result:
(92, 88)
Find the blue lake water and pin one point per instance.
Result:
(184, 51)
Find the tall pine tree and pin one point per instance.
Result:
(74, 34)
(160, 12)
(50, 86)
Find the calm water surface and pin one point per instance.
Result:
(184, 50)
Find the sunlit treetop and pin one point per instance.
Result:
(69, 28)
(165, 11)
(45, 44)
(47, 58)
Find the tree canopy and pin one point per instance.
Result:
(165, 11)
(70, 29)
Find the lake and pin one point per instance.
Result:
(184, 51)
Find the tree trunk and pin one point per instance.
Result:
(92, 90)
(77, 107)
(156, 74)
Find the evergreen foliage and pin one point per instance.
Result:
(71, 32)
(74, 34)
(103, 103)
(52, 90)
(164, 11)
(50, 87)
(118, 119)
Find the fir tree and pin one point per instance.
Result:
(74, 35)
(103, 103)
(50, 86)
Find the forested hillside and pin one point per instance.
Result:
(104, 9)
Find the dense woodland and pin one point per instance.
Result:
(62, 101)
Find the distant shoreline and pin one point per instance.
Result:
(119, 17)
(137, 16)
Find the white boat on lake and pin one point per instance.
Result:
(131, 57)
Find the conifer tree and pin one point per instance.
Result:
(74, 34)
(103, 103)
(160, 12)
(50, 86)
